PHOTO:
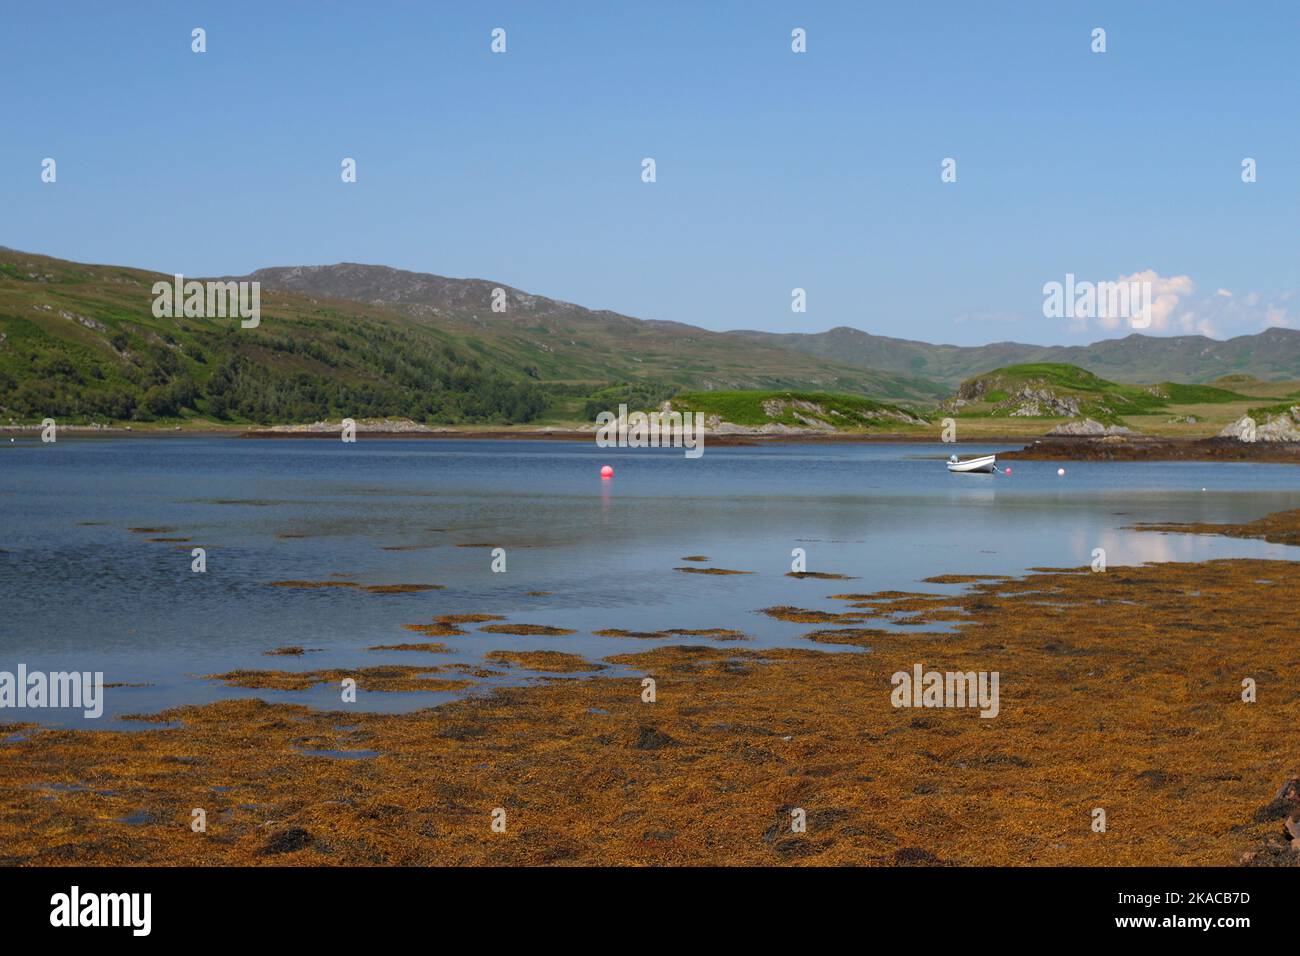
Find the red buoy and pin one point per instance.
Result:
(606, 471)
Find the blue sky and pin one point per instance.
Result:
(775, 170)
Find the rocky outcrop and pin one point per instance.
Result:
(1033, 402)
(811, 418)
(714, 425)
(810, 414)
(1281, 847)
(85, 320)
(1027, 400)
(1090, 427)
(1284, 427)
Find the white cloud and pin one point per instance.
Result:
(1178, 309)
(1165, 292)
(1189, 323)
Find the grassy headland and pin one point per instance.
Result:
(1052, 392)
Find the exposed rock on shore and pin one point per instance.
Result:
(1090, 427)
(383, 425)
(1284, 427)
(714, 425)
(1283, 847)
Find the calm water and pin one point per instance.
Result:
(81, 592)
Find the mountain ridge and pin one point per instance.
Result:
(557, 339)
(1270, 354)
(362, 340)
(1195, 359)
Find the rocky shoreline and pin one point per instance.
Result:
(1141, 448)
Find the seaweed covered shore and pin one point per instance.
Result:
(1145, 448)
(1282, 527)
(1120, 691)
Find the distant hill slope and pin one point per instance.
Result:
(558, 341)
(1273, 354)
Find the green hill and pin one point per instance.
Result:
(80, 343)
(1057, 390)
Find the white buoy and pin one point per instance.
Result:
(1060, 472)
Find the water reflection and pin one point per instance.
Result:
(84, 592)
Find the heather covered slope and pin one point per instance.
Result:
(81, 343)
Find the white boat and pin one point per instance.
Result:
(983, 464)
